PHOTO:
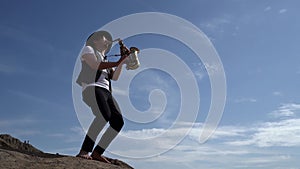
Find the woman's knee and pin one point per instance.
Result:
(117, 123)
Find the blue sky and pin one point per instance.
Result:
(257, 42)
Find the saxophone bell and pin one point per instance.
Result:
(133, 60)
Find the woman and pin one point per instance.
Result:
(95, 78)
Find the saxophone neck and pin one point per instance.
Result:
(123, 49)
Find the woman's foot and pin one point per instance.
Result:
(99, 157)
(84, 155)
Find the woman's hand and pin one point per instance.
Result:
(122, 59)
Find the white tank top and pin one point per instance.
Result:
(102, 81)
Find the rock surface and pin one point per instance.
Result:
(15, 154)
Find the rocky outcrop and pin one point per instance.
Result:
(15, 154)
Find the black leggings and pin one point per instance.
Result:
(106, 109)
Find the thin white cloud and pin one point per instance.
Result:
(7, 69)
(78, 130)
(281, 11)
(268, 8)
(284, 133)
(213, 69)
(200, 74)
(8, 123)
(70, 138)
(36, 99)
(277, 93)
(25, 132)
(221, 132)
(217, 26)
(155, 143)
(216, 23)
(207, 69)
(15, 69)
(286, 110)
(74, 134)
(199, 71)
(118, 91)
(244, 99)
(19, 126)
(144, 133)
(19, 35)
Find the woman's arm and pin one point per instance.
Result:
(117, 72)
(91, 60)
